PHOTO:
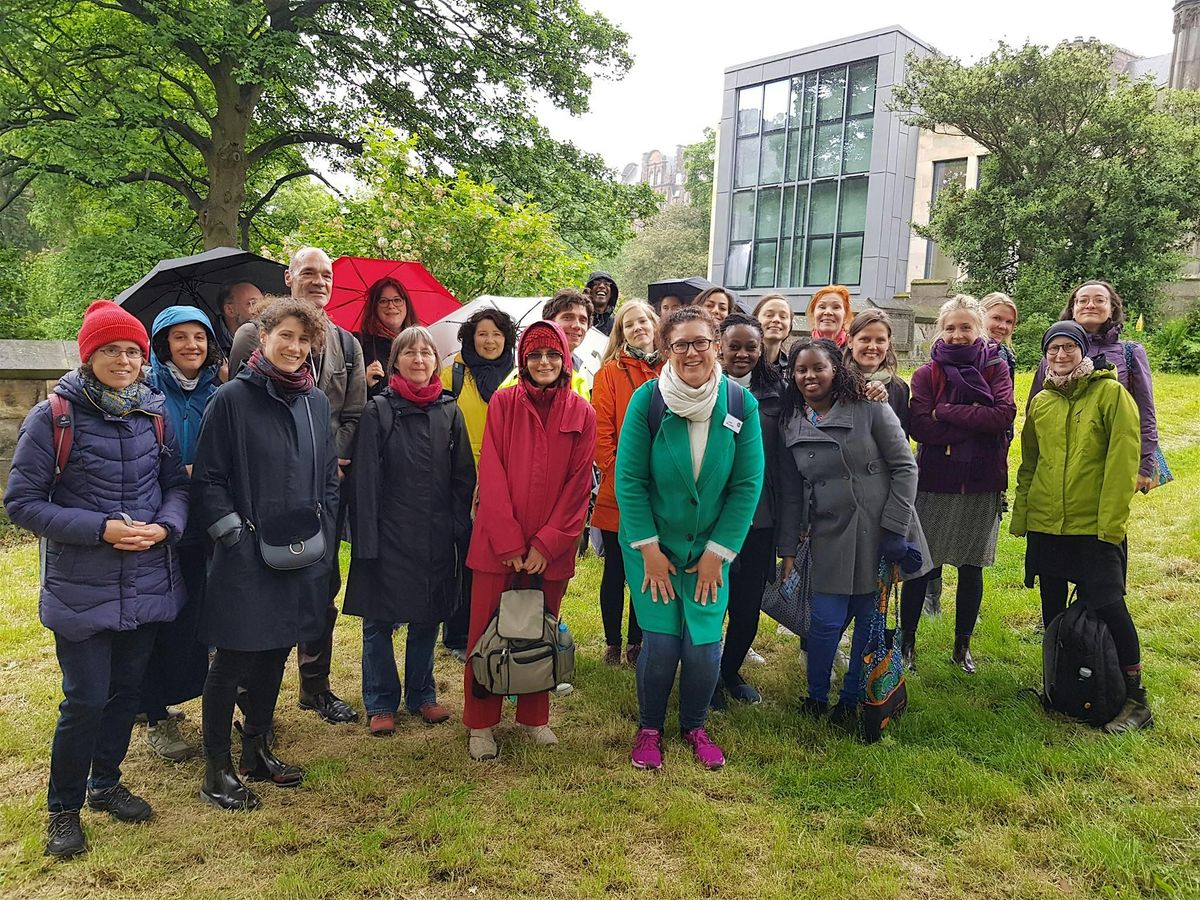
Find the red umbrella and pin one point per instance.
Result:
(354, 275)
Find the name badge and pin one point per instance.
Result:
(733, 424)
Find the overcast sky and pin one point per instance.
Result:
(682, 50)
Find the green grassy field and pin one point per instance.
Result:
(974, 793)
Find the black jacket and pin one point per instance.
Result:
(375, 348)
(770, 404)
(898, 397)
(255, 457)
(410, 510)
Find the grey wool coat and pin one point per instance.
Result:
(848, 477)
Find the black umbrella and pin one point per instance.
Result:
(196, 281)
(686, 289)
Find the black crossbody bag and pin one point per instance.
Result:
(297, 540)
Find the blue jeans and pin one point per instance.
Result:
(831, 613)
(381, 681)
(661, 655)
(102, 684)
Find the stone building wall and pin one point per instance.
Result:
(28, 371)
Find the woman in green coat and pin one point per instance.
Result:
(688, 476)
(1080, 451)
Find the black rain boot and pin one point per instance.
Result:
(222, 788)
(908, 650)
(259, 763)
(962, 653)
(933, 597)
(1135, 714)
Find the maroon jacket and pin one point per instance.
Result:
(965, 449)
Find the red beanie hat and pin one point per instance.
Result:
(103, 323)
(539, 336)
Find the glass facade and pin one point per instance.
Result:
(945, 172)
(802, 153)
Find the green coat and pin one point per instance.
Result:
(658, 495)
(1080, 451)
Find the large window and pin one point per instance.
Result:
(800, 187)
(945, 172)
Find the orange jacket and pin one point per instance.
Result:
(611, 391)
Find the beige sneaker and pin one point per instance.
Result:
(165, 740)
(540, 734)
(481, 745)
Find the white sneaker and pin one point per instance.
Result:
(755, 657)
(540, 734)
(481, 745)
(564, 688)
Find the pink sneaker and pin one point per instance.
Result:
(647, 749)
(708, 754)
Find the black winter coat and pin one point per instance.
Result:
(255, 458)
(770, 404)
(410, 510)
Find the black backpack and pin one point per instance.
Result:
(1080, 673)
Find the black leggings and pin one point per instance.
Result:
(612, 594)
(1110, 609)
(746, 582)
(261, 673)
(967, 600)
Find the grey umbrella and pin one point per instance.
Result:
(196, 281)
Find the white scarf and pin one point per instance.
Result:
(188, 384)
(694, 404)
(744, 381)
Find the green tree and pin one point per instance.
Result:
(673, 244)
(223, 101)
(1087, 175)
(471, 238)
(699, 163)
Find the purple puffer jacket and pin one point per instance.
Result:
(115, 467)
(1137, 382)
(964, 450)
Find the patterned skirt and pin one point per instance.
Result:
(961, 529)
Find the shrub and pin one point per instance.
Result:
(1027, 340)
(1176, 346)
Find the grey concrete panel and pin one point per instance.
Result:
(37, 359)
(749, 76)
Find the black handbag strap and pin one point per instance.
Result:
(312, 431)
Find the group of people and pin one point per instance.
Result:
(192, 484)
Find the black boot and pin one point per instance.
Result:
(962, 653)
(908, 650)
(259, 763)
(1135, 714)
(933, 597)
(222, 788)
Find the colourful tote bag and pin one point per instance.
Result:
(884, 694)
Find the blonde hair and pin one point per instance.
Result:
(963, 303)
(410, 337)
(997, 298)
(616, 339)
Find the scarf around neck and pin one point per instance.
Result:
(963, 366)
(187, 384)
(116, 403)
(419, 395)
(694, 404)
(489, 374)
(1085, 368)
(653, 358)
(290, 385)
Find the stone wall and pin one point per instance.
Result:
(28, 370)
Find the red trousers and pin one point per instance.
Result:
(484, 712)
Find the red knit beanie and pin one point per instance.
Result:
(103, 323)
(539, 336)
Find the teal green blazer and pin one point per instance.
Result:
(657, 495)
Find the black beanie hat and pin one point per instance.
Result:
(1067, 329)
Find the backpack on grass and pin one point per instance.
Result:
(1080, 672)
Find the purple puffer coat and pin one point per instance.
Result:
(115, 467)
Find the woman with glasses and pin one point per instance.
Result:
(535, 477)
(410, 514)
(688, 478)
(1080, 450)
(97, 475)
(387, 312)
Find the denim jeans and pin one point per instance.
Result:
(381, 681)
(101, 682)
(661, 655)
(831, 613)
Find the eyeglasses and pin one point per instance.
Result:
(546, 355)
(392, 301)
(1092, 301)
(116, 352)
(700, 345)
(1063, 350)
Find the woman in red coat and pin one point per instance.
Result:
(535, 476)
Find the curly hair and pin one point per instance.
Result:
(848, 385)
(503, 321)
(1116, 318)
(681, 316)
(861, 321)
(763, 375)
(271, 310)
(370, 316)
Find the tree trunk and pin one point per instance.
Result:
(227, 167)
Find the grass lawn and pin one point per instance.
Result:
(974, 793)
